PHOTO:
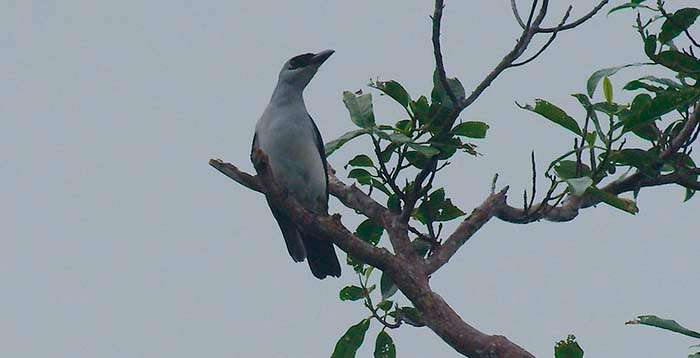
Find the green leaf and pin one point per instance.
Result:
(416, 159)
(360, 108)
(399, 138)
(379, 185)
(351, 293)
(695, 355)
(447, 150)
(439, 93)
(646, 109)
(361, 161)
(393, 203)
(675, 24)
(448, 212)
(579, 186)
(405, 126)
(411, 316)
(351, 341)
(608, 90)
(387, 286)
(566, 169)
(384, 346)
(607, 108)
(637, 84)
(664, 81)
(630, 5)
(679, 62)
(394, 90)
(471, 129)
(381, 134)
(568, 348)
(623, 204)
(600, 74)
(385, 155)
(421, 110)
(637, 158)
(650, 46)
(385, 305)
(586, 103)
(555, 114)
(437, 208)
(333, 145)
(667, 324)
(362, 176)
(424, 150)
(370, 232)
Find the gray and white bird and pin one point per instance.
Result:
(287, 134)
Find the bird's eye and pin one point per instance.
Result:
(300, 61)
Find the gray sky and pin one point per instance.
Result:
(118, 240)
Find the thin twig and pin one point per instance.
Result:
(549, 42)
(576, 23)
(437, 51)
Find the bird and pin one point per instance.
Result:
(287, 134)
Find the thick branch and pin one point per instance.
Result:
(354, 198)
(466, 230)
(411, 278)
(445, 322)
(316, 225)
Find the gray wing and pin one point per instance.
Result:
(320, 252)
(322, 152)
(292, 238)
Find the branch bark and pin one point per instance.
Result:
(350, 195)
(317, 225)
(408, 272)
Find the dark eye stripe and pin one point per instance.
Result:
(301, 60)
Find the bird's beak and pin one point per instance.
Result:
(321, 57)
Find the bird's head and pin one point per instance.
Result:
(299, 70)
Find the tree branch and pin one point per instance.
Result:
(445, 322)
(230, 170)
(570, 209)
(466, 230)
(437, 52)
(321, 226)
(495, 204)
(549, 42)
(520, 46)
(350, 195)
(410, 276)
(561, 27)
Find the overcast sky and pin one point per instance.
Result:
(118, 240)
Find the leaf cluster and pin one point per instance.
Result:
(630, 137)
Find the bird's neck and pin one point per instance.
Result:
(287, 93)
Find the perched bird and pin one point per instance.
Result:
(287, 134)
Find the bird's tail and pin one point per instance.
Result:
(322, 258)
(295, 245)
